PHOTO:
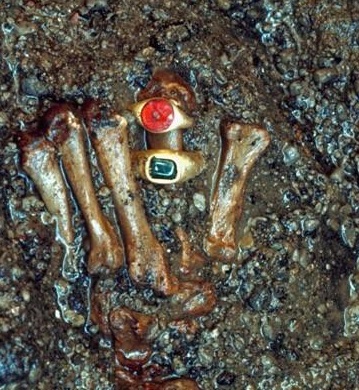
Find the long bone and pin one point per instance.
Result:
(40, 163)
(144, 254)
(242, 144)
(65, 131)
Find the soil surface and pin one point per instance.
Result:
(287, 315)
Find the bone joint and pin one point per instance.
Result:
(242, 145)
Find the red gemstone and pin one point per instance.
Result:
(157, 115)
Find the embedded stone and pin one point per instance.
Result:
(163, 168)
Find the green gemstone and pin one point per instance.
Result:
(163, 168)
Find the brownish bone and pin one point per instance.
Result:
(100, 310)
(194, 298)
(144, 254)
(65, 129)
(242, 144)
(169, 85)
(171, 140)
(40, 163)
(191, 261)
(131, 333)
(130, 330)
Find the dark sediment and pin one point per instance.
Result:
(286, 313)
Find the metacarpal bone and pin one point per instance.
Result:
(242, 144)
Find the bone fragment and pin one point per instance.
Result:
(40, 163)
(167, 84)
(194, 298)
(100, 309)
(67, 133)
(144, 254)
(242, 144)
(131, 330)
(132, 334)
(191, 261)
(172, 140)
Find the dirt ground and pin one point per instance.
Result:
(287, 315)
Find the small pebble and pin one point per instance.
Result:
(96, 4)
(290, 154)
(25, 295)
(199, 201)
(225, 378)
(165, 202)
(3, 118)
(225, 5)
(104, 192)
(309, 225)
(32, 86)
(176, 217)
(348, 232)
(324, 75)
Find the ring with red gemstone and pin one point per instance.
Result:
(159, 115)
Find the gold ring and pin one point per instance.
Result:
(161, 166)
(160, 115)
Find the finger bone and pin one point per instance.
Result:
(66, 131)
(40, 163)
(242, 145)
(144, 254)
(169, 85)
(171, 140)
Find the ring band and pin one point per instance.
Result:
(161, 166)
(163, 119)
